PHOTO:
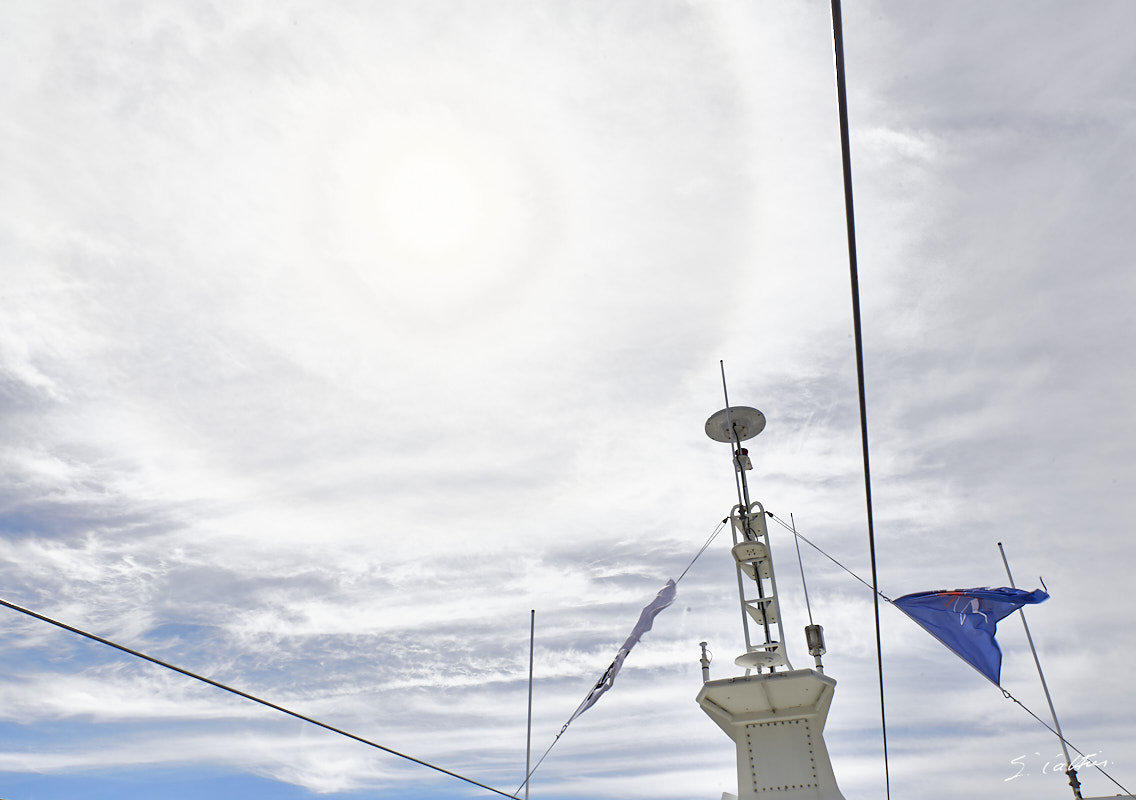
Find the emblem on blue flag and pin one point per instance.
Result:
(967, 619)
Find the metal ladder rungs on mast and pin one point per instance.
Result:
(763, 610)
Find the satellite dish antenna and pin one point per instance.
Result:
(747, 423)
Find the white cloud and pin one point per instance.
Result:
(257, 421)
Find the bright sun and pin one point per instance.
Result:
(430, 204)
(433, 218)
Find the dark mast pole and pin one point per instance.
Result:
(850, 218)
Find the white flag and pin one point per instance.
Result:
(663, 599)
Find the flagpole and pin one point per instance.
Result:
(1069, 771)
(528, 735)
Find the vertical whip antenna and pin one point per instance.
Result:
(801, 564)
(528, 734)
(739, 471)
(814, 634)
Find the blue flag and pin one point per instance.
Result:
(966, 621)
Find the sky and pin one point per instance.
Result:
(336, 337)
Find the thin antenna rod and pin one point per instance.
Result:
(850, 221)
(801, 564)
(1069, 771)
(528, 735)
(743, 504)
(735, 445)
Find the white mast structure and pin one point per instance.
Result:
(776, 718)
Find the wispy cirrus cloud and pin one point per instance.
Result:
(282, 407)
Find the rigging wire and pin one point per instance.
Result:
(805, 539)
(1088, 760)
(846, 159)
(1005, 693)
(541, 760)
(245, 695)
(713, 536)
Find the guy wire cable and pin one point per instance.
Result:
(714, 534)
(850, 219)
(245, 695)
(806, 540)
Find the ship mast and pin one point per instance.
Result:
(775, 718)
(751, 547)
